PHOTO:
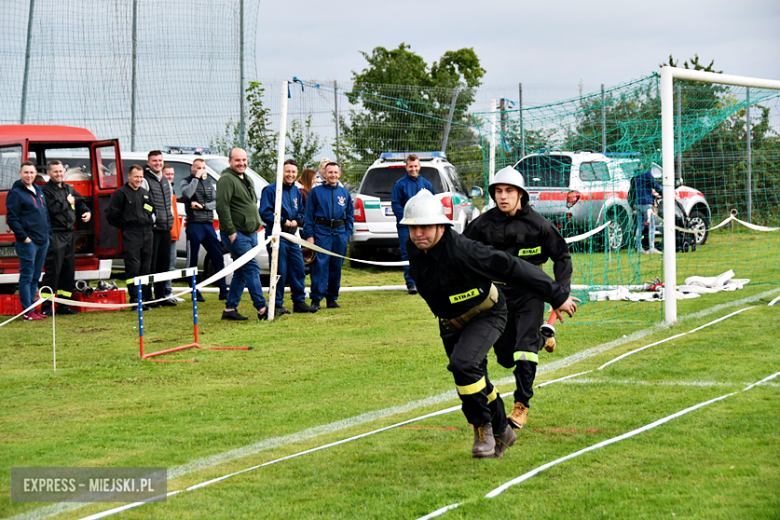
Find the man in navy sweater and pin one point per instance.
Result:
(29, 220)
(642, 204)
(404, 189)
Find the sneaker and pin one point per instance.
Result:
(333, 304)
(199, 297)
(484, 442)
(504, 441)
(176, 299)
(223, 294)
(233, 316)
(167, 303)
(654, 251)
(550, 345)
(263, 316)
(519, 416)
(281, 310)
(155, 305)
(315, 306)
(33, 316)
(643, 251)
(302, 307)
(411, 289)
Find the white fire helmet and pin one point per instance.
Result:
(509, 176)
(424, 209)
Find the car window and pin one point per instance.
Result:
(545, 171)
(601, 171)
(182, 171)
(379, 182)
(456, 180)
(586, 172)
(10, 164)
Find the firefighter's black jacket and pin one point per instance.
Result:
(61, 214)
(526, 235)
(130, 209)
(455, 275)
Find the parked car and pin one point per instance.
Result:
(579, 191)
(375, 223)
(181, 159)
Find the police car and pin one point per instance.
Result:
(579, 191)
(181, 159)
(375, 222)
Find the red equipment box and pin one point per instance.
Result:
(105, 297)
(11, 306)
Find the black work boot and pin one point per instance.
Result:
(484, 442)
(333, 304)
(302, 307)
(504, 440)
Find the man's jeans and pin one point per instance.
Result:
(248, 275)
(31, 258)
(642, 218)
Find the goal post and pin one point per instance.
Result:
(668, 75)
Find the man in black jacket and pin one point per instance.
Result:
(200, 201)
(454, 276)
(64, 205)
(160, 192)
(131, 211)
(514, 227)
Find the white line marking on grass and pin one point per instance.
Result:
(587, 381)
(438, 512)
(564, 378)
(522, 478)
(221, 458)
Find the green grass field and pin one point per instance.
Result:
(318, 379)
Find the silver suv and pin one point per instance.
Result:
(374, 219)
(579, 191)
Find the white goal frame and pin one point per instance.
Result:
(668, 75)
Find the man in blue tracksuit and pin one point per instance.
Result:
(290, 268)
(641, 199)
(28, 218)
(329, 220)
(403, 190)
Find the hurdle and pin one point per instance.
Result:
(140, 281)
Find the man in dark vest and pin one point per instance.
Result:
(159, 189)
(200, 201)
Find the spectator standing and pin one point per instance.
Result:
(169, 173)
(28, 218)
(306, 183)
(131, 211)
(159, 189)
(328, 223)
(319, 177)
(64, 205)
(290, 266)
(200, 201)
(239, 222)
(404, 189)
(641, 198)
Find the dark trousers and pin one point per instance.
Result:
(403, 234)
(290, 270)
(137, 252)
(521, 342)
(60, 263)
(326, 269)
(467, 351)
(161, 259)
(204, 235)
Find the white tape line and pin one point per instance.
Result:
(125, 507)
(774, 301)
(439, 512)
(221, 458)
(720, 319)
(701, 384)
(588, 234)
(756, 227)
(500, 489)
(25, 311)
(632, 352)
(235, 264)
(304, 243)
(540, 385)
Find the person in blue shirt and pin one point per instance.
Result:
(290, 266)
(641, 198)
(404, 189)
(28, 218)
(329, 220)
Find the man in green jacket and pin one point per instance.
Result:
(239, 221)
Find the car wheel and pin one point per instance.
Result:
(359, 253)
(618, 231)
(699, 223)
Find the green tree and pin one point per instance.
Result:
(262, 141)
(303, 145)
(404, 102)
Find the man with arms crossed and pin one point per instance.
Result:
(159, 189)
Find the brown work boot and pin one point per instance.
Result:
(504, 441)
(519, 416)
(550, 344)
(484, 442)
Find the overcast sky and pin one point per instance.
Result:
(552, 42)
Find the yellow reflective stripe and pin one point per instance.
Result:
(130, 281)
(473, 388)
(530, 251)
(46, 294)
(492, 395)
(148, 208)
(527, 356)
(455, 298)
(65, 294)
